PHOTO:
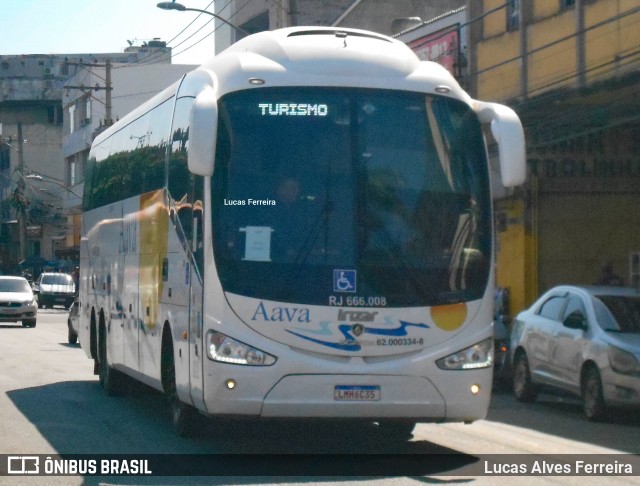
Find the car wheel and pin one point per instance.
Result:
(29, 323)
(523, 389)
(592, 398)
(72, 336)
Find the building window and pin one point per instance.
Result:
(5, 156)
(54, 114)
(73, 172)
(72, 118)
(567, 4)
(76, 165)
(86, 111)
(513, 15)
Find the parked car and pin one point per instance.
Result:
(72, 322)
(17, 302)
(56, 288)
(581, 340)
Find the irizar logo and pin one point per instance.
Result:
(356, 316)
(281, 314)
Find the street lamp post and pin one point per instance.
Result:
(181, 8)
(38, 177)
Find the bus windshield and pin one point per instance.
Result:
(319, 192)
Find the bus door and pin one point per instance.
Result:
(196, 342)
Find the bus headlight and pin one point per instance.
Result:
(479, 355)
(224, 349)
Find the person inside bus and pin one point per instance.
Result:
(292, 221)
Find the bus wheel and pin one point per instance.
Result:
(110, 379)
(182, 415)
(396, 430)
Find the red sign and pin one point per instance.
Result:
(441, 47)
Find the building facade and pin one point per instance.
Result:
(570, 68)
(379, 16)
(39, 174)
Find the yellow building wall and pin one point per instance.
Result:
(554, 66)
(546, 8)
(613, 45)
(496, 23)
(515, 265)
(502, 82)
(610, 47)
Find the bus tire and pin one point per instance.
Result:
(110, 378)
(182, 414)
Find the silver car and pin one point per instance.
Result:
(17, 302)
(72, 322)
(582, 340)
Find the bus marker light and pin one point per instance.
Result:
(475, 389)
(230, 384)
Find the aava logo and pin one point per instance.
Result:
(281, 314)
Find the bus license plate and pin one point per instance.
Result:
(356, 393)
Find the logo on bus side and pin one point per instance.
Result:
(356, 315)
(281, 314)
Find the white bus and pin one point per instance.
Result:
(300, 228)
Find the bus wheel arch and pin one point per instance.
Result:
(182, 414)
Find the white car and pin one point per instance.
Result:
(72, 322)
(582, 340)
(56, 288)
(17, 302)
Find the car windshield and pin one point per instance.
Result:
(618, 313)
(56, 280)
(14, 286)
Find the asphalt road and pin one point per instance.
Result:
(51, 403)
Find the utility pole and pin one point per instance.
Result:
(20, 200)
(107, 88)
(107, 106)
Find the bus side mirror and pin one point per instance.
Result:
(203, 131)
(507, 131)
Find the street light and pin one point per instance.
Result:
(178, 6)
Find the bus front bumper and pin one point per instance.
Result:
(463, 398)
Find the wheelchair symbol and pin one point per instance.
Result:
(344, 280)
